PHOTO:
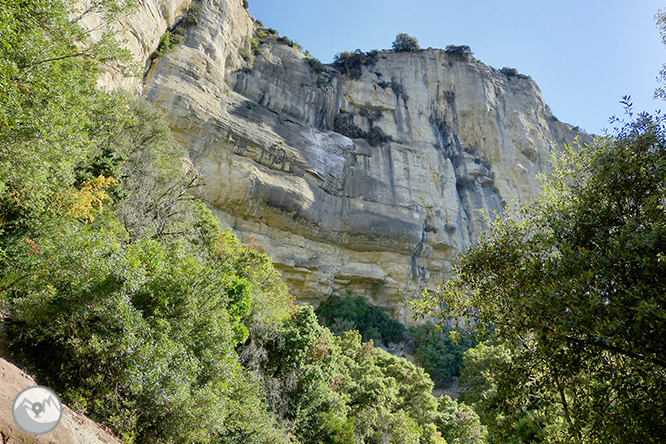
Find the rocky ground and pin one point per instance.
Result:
(73, 428)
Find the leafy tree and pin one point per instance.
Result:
(576, 283)
(660, 18)
(439, 352)
(508, 398)
(49, 119)
(405, 43)
(140, 338)
(353, 313)
(459, 423)
(389, 398)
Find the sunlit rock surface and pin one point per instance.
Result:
(338, 215)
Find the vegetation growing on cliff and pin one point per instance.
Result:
(405, 43)
(463, 52)
(351, 63)
(344, 125)
(121, 291)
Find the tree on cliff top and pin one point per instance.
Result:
(577, 285)
(405, 43)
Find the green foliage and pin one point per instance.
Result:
(298, 373)
(169, 42)
(247, 51)
(577, 285)
(660, 18)
(405, 43)
(287, 41)
(389, 398)
(512, 72)
(175, 35)
(459, 423)
(353, 313)
(497, 385)
(463, 52)
(344, 125)
(249, 418)
(139, 337)
(315, 64)
(398, 89)
(134, 318)
(50, 116)
(439, 352)
(376, 136)
(266, 35)
(352, 63)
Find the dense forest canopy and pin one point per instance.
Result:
(120, 290)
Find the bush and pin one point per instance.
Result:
(459, 423)
(376, 136)
(287, 41)
(463, 52)
(353, 313)
(344, 125)
(509, 72)
(315, 64)
(169, 42)
(352, 63)
(405, 43)
(512, 72)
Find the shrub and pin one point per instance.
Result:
(353, 313)
(459, 423)
(512, 72)
(169, 42)
(464, 182)
(405, 43)
(315, 64)
(190, 17)
(509, 72)
(287, 41)
(463, 52)
(398, 89)
(376, 136)
(351, 63)
(344, 125)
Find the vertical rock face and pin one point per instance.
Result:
(337, 214)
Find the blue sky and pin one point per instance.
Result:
(584, 54)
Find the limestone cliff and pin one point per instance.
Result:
(338, 214)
